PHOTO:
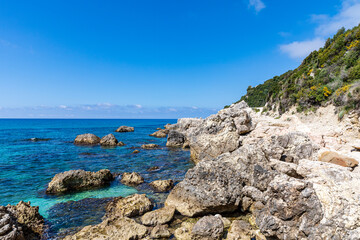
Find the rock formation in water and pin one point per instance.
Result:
(78, 180)
(87, 139)
(125, 129)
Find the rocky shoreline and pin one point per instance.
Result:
(256, 177)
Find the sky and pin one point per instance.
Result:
(152, 59)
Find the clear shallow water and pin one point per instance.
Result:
(26, 167)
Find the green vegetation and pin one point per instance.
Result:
(330, 74)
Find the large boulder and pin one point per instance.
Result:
(217, 134)
(131, 206)
(162, 133)
(208, 228)
(125, 129)
(159, 216)
(131, 179)
(162, 185)
(77, 180)
(109, 141)
(87, 139)
(175, 139)
(21, 222)
(112, 229)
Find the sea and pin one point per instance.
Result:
(32, 151)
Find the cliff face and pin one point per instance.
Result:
(297, 179)
(329, 75)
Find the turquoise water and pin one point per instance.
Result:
(26, 166)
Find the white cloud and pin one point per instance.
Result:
(302, 49)
(348, 17)
(63, 106)
(258, 5)
(138, 106)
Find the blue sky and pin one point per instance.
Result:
(152, 59)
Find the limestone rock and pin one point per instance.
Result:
(132, 179)
(162, 185)
(87, 139)
(125, 129)
(32, 223)
(131, 206)
(162, 133)
(135, 151)
(175, 139)
(184, 231)
(336, 158)
(77, 180)
(160, 231)
(149, 146)
(240, 230)
(112, 229)
(109, 141)
(10, 229)
(159, 216)
(120, 144)
(209, 228)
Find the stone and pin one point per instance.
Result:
(10, 229)
(162, 133)
(338, 159)
(112, 229)
(208, 227)
(120, 144)
(109, 141)
(151, 169)
(131, 206)
(158, 217)
(160, 231)
(29, 218)
(240, 230)
(162, 185)
(175, 139)
(184, 231)
(125, 129)
(78, 180)
(149, 146)
(135, 151)
(87, 139)
(131, 179)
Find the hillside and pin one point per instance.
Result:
(329, 75)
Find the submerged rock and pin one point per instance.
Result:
(159, 216)
(77, 180)
(109, 141)
(149, 146)
(120, 144)
(125, 129)
(112, 229)
(151, 169)
(162, 185)
(131, 179)
(131, 206)
(135, 151)
(87, 139)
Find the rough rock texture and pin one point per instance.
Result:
(336, 158)
(162, 133)
(124, 129)
(32, 223)
(131, 179)
(109, 140)
(175, 139)
(241, 230)
(131, 206)
(120, 144)
(10, 229)
(160, 231)
(217, 134)
(162, 185)
(112, 229)
(21, 222)
(149, 146)
(159, 216)
(87, 139)
(184, 231)
(76, 180)
(135, 151)
(209, 228)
